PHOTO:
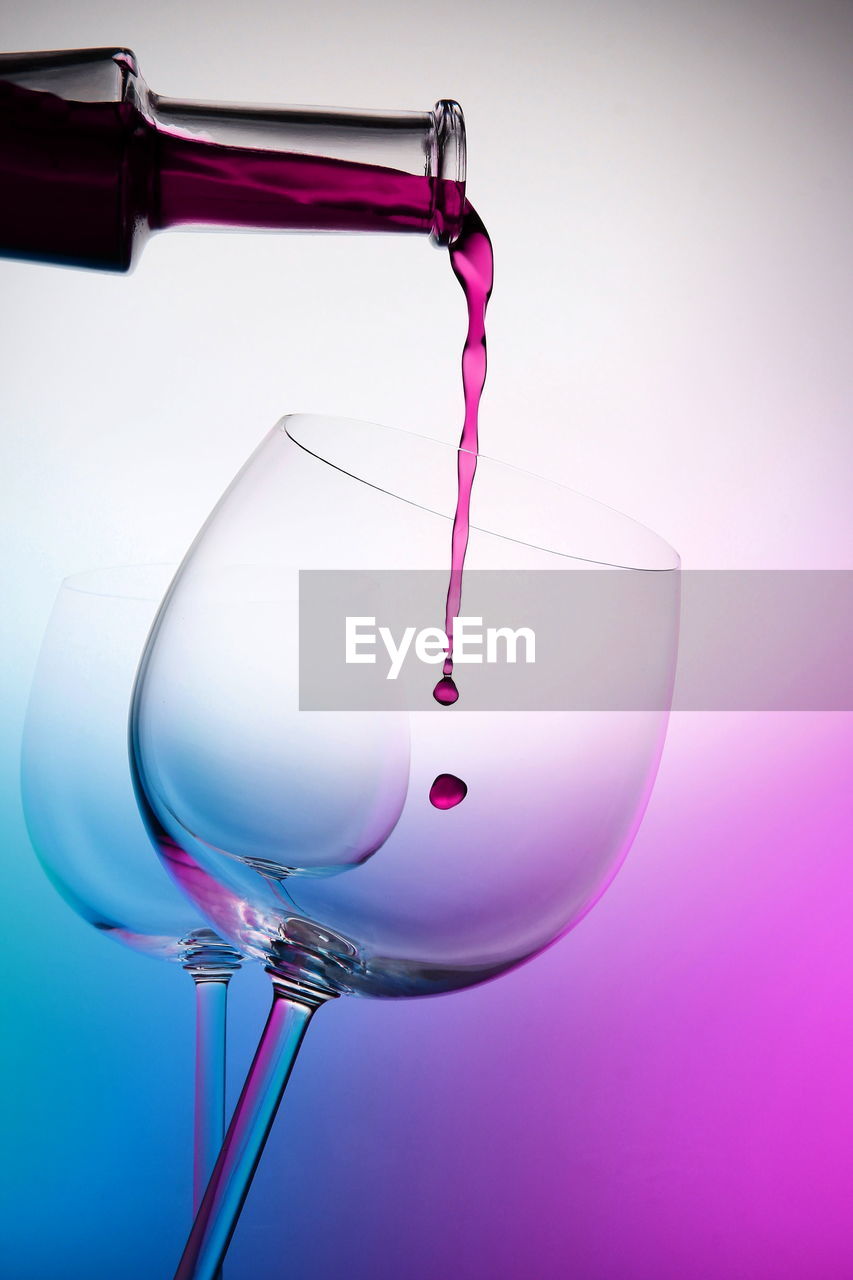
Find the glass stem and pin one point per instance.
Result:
(293, 1006)
(211, 998)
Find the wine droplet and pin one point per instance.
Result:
(447, 791)
(446, 693)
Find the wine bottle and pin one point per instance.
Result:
(92, 161)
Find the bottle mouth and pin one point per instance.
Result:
(448, 170)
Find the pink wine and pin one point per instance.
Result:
(68, 173)
(473, 265)
(202, 183)
(445, 691)
(447, 791)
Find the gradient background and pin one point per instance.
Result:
(669, 1092)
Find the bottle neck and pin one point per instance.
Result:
(309, 169)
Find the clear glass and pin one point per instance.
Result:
(83, 819)
(92, 161)
(308, 837)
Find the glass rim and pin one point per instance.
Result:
(671, 558)
(86, 581)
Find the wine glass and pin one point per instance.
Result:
(399, 848)
(84, 822)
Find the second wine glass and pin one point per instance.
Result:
(84, 822)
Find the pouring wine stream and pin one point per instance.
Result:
(472, 261)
